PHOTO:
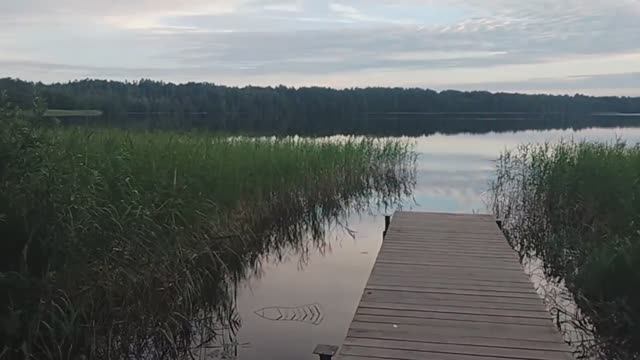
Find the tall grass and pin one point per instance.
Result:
(129, 245)
(576, 206)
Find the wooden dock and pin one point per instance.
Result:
(448, 286)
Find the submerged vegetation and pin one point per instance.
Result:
(123, 244)
(576, 206)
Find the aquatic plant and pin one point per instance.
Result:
(130, 244)
(576, 206)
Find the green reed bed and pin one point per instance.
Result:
(129, 245)
(576, 206)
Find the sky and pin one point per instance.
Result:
(528, 46)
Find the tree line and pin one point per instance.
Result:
(149, 104)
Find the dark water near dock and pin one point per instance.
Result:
(298, 300)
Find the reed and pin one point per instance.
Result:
(124, 244)
(576, 206)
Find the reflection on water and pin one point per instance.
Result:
(289, 230)
(453, 173)
(310, 313)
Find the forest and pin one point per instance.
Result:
(148, 104)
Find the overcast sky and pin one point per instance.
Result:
(557, 46)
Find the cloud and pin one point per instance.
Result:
(401, 42)
(290, 6)
(354, 15)
(345, 10)
(27, 8)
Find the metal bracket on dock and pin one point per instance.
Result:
(326, 352)
(387, 222)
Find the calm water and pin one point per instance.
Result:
(320, 291)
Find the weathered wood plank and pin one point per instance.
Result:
(537, 314)
(514, 331)
(452, 244)
(456, 316)
(405, 354)
(452, 290)
(446, 282)
(422, 334)
(463, 349)
(443, 263)
(445, 253)
(461, 251)
(448, 286)
(409, 286)
(444, 300)
(426, 269)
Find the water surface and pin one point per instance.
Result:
(301, 300)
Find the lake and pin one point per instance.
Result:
(297, 301)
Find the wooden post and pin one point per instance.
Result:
(325, 352)
(387, 221)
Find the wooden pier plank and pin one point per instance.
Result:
(448, 286)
